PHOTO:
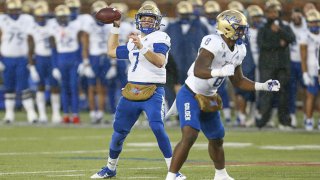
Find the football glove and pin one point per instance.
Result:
(56, 74)
(307, 79)
(270, 85)
(2, 67)
(227, 70)
(112, 72)
(34, 74)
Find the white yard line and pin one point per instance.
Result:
(73, 171)
(69, 152)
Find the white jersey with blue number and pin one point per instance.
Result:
(66, 38)
(141, 70)
(222, 56)
(98, 36)
(313, 43)
(41, 36)
(14, 39)
(295, 47)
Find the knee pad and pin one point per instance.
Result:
(117, 141)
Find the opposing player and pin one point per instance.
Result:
(148, 53)
(220, 56)
(40, 39)
(309, 48)
(14, 51)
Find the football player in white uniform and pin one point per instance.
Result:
(298, 27)
(100, 63)
(148, 53)
(40, 38)
(14, 51)
(310, 45)
(220, 56)
(67, 36)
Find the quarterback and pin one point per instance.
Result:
(148, 54)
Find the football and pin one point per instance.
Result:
(108, 15)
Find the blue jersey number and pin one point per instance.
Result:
(218, 82)
(137, 61)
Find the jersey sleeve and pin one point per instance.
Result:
(210, 44)
(122, 52)
(162, 38)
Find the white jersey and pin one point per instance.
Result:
(313, 42)
(14, 39)
(41, 36)
(98, 36)
(254, 45)
(66, 38)
(222, 56)
(295, 47)
(141, 70)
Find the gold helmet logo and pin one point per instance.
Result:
(236, 5)
(121, 7)
(211, 7)
(62, 10)
(13, 4)
(254, 10)
(184, 7)
(73, 3)
(229, 22)
(96, 6)
(41, 8)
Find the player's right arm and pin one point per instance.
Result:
(113, 40)
(202, 64)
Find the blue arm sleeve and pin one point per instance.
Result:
(122, 52)
(160, 48)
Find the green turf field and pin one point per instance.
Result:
(77, 152)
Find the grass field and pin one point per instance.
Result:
(77, 152)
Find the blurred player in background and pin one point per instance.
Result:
(100, 63)
(27, 7)
(310, 45)
(186, 34)
(14, 52)
(67, 36)
(298, 26)
(44, 57)
(148, 53)
(198, 104)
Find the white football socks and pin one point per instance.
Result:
(112, 163)
(9, 106)
(41, 104)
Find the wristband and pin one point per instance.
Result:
(258, 86)
(144, 50)
(115, 30)
(215, 72)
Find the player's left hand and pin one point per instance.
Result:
(112, 72)
(34, 74)
(272, 85)
(136, 40)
